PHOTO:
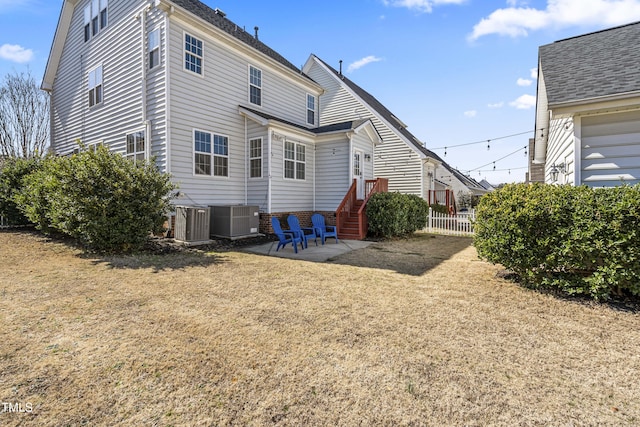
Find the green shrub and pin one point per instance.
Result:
(396, 214)
(99, 197)
(575, 239)
(12, 172)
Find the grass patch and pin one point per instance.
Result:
(230, 338)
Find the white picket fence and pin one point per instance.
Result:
(3, 222)
(460, 224)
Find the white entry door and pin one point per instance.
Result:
(358, 172)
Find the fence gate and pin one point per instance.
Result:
(460, 224)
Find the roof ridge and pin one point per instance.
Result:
(597, 32)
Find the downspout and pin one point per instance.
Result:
(270, 154)
(147, 123)
(167, 88)
(246, 161)
(314, 175)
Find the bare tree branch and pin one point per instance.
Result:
(24, 117)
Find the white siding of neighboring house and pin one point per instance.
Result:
(560, 149)
(393, 159)
(121, 110)
(610, 149)
(210, 103)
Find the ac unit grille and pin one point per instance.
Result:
(234, 220)
(192, 223)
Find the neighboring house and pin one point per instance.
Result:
(588, 109)
(231, 119)
(408, 165)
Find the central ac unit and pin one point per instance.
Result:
(192, 224)
(234, 221)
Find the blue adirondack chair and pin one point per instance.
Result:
(323, 230)
(285, 237)
(305, 233)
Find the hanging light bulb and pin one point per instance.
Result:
(488, 144)
(494, 165)
(445, 151)
(525, 151)
(509, 171)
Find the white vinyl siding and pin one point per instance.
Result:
(394, 159)
(212, 102)
(121, 111)
(610, 149)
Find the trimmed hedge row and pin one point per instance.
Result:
(579, 240)
(11, 175)
(104, 200)
(396, 214)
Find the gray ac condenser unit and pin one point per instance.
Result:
(192, 223)
(234, 221)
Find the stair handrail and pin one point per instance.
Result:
(347, 202)
(381, 185)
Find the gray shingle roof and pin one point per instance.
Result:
(205, 12)
(602, 63)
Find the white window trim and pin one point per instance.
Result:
(89, 88)
(307, 109)
(184, 51)
(133, 155)
(252, 85)
(158, 48)
(255, 158)
(295, 161)
(90, 14)
(211, 155)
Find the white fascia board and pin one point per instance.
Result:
(62, 29)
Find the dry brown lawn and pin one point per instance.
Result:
(408, 333)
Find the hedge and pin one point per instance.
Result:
(12, 172)
(106, 201)
(396, 214)
(578, 240)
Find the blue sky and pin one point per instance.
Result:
(455, 71)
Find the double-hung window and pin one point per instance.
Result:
(95, 86)
(255, 158)
(311, 109)
(294, 160)
(95, 18)
(192, 54)
(136, 146)
(154, 48)
(255, 85)
(211, 154)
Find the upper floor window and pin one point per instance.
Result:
(294, 160)
(193, 54)
(136, 146)
(95, 86)
(255, 85)
(95, 18)
(311, 109)
(255, 158)
(154, 48)
(211, 154)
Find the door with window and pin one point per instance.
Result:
(358, 172)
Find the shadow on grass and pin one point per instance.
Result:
(626, 304)
(412, 256)
(160, 262)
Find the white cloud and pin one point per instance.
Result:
(524, 102)
(6, 5)
(420, 5)
(534, 73)
(362, 62)
(470, 113)
(519, 21)
(524, 82)
(15, 53)
(496, 105)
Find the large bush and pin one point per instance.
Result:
(396, 214)
(576, 239)
(99, 197)
(12, 172)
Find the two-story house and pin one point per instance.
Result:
(176, 81)
(588, 109)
